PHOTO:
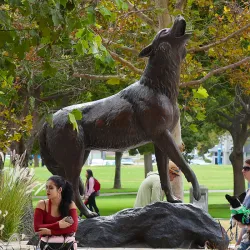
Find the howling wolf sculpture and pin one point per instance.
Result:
(144, 112)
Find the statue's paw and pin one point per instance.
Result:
(173, 199)
(176, 201)
(91, 215)
(197, 193)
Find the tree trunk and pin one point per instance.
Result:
(36, 161)
(148, 166)
(2, 160)
(236, 159)
(180, 5)
(164, 18)
(117, 180)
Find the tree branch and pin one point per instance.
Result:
(224, 126)
(214, 72)
(55, 96)
(99, 77)
(164, 18)
(238, 95)
(206, 47)
(225, 116)
(180, 5)
(145, 18)
(131, 50)
(125, 62)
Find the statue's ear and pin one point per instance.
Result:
(146, 52)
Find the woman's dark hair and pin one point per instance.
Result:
(90, 173)
(67, 193)
(247, 161)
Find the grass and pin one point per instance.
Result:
(111, 204)
(212, 176)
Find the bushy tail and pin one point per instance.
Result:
(46, 157)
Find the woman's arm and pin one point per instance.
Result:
(242, 232)
(70, 229)
(39, 217)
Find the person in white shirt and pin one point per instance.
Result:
(150, 190)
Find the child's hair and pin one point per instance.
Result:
(67, 194)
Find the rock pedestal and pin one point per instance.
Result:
(160, 225)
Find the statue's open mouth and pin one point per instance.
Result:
(179, 26)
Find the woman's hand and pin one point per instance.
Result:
(44, 231)
(63, 223)
(86, 197)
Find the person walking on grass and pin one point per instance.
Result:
(90, 192)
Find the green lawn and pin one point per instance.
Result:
(212, 176)
(111, 204)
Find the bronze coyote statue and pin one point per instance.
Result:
(144, 112)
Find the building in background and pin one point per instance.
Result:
(221, 152)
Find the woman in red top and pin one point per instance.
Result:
(52, 217)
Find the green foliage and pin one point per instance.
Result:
(43, 42)
(200, 93)
(145, 149)
(121, 4)
(16, 188)
(74, 116)
(113, 81)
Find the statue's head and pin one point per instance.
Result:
(169, 43)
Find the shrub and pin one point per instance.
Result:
(16, 186)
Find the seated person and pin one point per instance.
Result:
(55, 219)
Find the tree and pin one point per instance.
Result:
(36, 43)
(147, 17)
(215, 41)
(146, 151)
(236, 120)
(48, 42)
(117, 179)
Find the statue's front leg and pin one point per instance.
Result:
(165, 144)
(162, 164)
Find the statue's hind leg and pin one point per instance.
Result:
(73, 172)
(166, 145)
(81, 185)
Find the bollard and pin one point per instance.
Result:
(203, 202)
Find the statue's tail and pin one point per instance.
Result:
(46, 157)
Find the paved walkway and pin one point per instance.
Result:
(23, 246)
(134, 193)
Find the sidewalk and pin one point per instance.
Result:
(24, 246)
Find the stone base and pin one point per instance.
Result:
(160, 225)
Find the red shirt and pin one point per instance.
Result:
(44, 219)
